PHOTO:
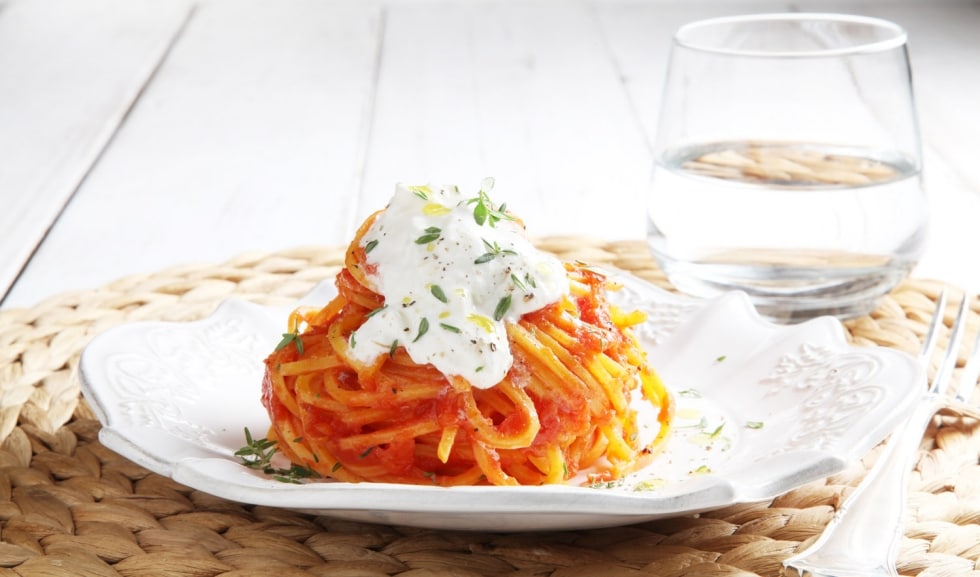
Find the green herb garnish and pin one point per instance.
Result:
(450, 328)
(257, 454)
(484, 210)
(493, 251)
(431, 233)
(375, 311)
(422, 191)
(518, 282)
(370, 245)
(436, 291)
(502, 306)
(295, 474)
(754, 424)
(288, 338)
(717, 431)
(423, 328)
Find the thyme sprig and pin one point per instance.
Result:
(484, 210)
(257, 454)
(493, 251)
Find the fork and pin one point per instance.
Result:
(862, 539)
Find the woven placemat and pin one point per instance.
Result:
(69, 506)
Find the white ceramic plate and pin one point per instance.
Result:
(762, 409)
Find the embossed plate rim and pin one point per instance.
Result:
(720, 348)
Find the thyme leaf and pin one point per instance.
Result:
(450, 328)
(717, 431)
(502, 306)
(480, 212)
(436, 291)
(375, 311)
(423, 328)
(422, 191)
(288, 338)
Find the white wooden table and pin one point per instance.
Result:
(140, 134)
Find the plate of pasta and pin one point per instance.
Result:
(761, 409)
(616, 402)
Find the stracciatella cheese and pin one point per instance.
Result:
(453, 268)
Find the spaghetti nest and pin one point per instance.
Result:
(565, 407)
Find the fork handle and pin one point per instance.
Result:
(879, 502)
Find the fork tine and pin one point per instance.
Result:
(971, 372)
(945, 373)
(932, 334)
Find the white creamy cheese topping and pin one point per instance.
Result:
(452, 268)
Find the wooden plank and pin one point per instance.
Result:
(524, 92)
(640, 37)
(69, 72)
(248, 138)
(259, 129)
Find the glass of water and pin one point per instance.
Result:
(788, 163)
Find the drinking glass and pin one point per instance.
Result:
(788, 163)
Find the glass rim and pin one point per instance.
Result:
(898, 39)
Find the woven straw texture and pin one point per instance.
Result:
(69, 506)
